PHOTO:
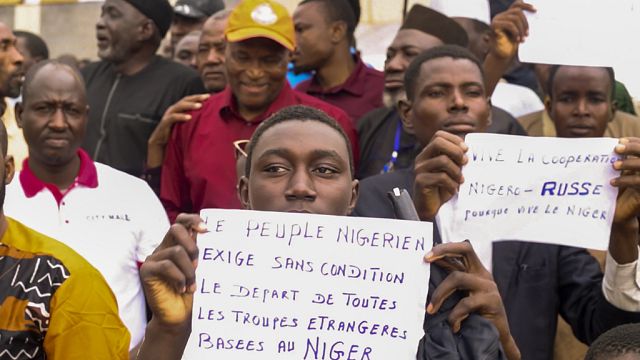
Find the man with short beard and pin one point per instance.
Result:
(11, 76)
(385, 144)
(71, 315)
(131, 87)
(110, 218)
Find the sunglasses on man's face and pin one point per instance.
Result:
(239, 148)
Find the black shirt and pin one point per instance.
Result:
(124, 110)
(377, 138)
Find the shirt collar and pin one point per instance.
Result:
(87, 177)
(354, 83)
(229, 106)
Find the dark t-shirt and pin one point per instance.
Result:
(124, 110)
(377, 133)
(359, 94)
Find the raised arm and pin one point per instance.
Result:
(168, 278)
(174, 114)
(509, 29)
(623, 245)
(438, 173)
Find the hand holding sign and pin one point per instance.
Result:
(624, 239)
(300, 286)
(438, 173)
(168, 277)
(628, 204)
(549, 190)
(568, 31)
(169, 273)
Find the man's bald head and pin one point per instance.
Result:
(211, 52)
(50, 64)
(53, 114)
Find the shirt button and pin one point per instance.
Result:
(64, 203)
(66, 221)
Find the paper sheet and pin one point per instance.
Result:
(582, 32)
(547, 190)
(298, 286)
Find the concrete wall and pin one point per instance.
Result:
(70, 28)
(7, 15)
(67, 28)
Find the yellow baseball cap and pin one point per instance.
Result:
(261, 18)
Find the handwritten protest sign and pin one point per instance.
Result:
(581, 32)
(547, 190)
(300, 286)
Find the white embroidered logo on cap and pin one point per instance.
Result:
(184, 9)
(263, 14)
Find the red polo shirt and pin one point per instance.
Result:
(359, 94)
(199, 169)
(87, 176)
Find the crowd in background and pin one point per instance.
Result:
(195, 106)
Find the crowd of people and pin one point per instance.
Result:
(114, 160)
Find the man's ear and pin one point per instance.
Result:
(486, 42)
(338, 31)
(18, 109)
(9, 168)
(243, 192)
(547, 105)
(355, 193)
(147, 30)
(614, 107)
(405, 110)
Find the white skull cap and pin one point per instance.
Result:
(473, 9)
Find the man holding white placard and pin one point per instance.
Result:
(582, 104)
(290, 168)
(446, 101)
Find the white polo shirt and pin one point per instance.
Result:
(111, 218)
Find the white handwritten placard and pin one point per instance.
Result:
(299, 286)
(547, 190)
(581, 32)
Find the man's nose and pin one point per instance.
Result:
(395, 64)
(16, 57)
(300, 187)
(58, 119)
(582, 107)
(213, 57)
(255, 72)
(458, 101)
